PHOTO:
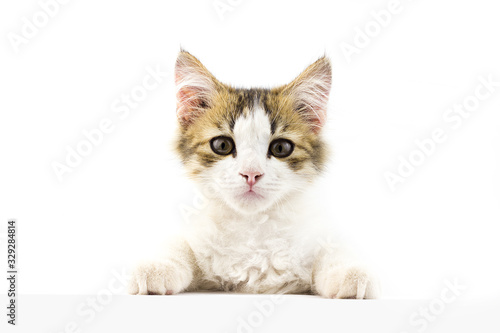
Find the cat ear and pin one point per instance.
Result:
(196, 87)
(310, 92)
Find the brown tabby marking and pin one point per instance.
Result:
(217, 114)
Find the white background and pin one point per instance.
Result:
(124, 198)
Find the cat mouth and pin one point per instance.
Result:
(251, 194)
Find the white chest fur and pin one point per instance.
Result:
(262, 253)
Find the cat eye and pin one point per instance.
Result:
(281, 148)
(222, 145)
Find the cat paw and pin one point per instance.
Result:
(158, 278)
(350, 283)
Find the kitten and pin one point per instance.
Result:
(253, 152)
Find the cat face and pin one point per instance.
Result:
(252, 148)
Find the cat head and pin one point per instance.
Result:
(252, 148)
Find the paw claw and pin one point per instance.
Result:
(157, 278)
(350, 283)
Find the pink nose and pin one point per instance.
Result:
(251, 177)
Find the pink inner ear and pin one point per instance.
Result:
(319, 120)
(188, 103)
(194, 84)
(182, 106)
(311, 90)
(315, 112)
